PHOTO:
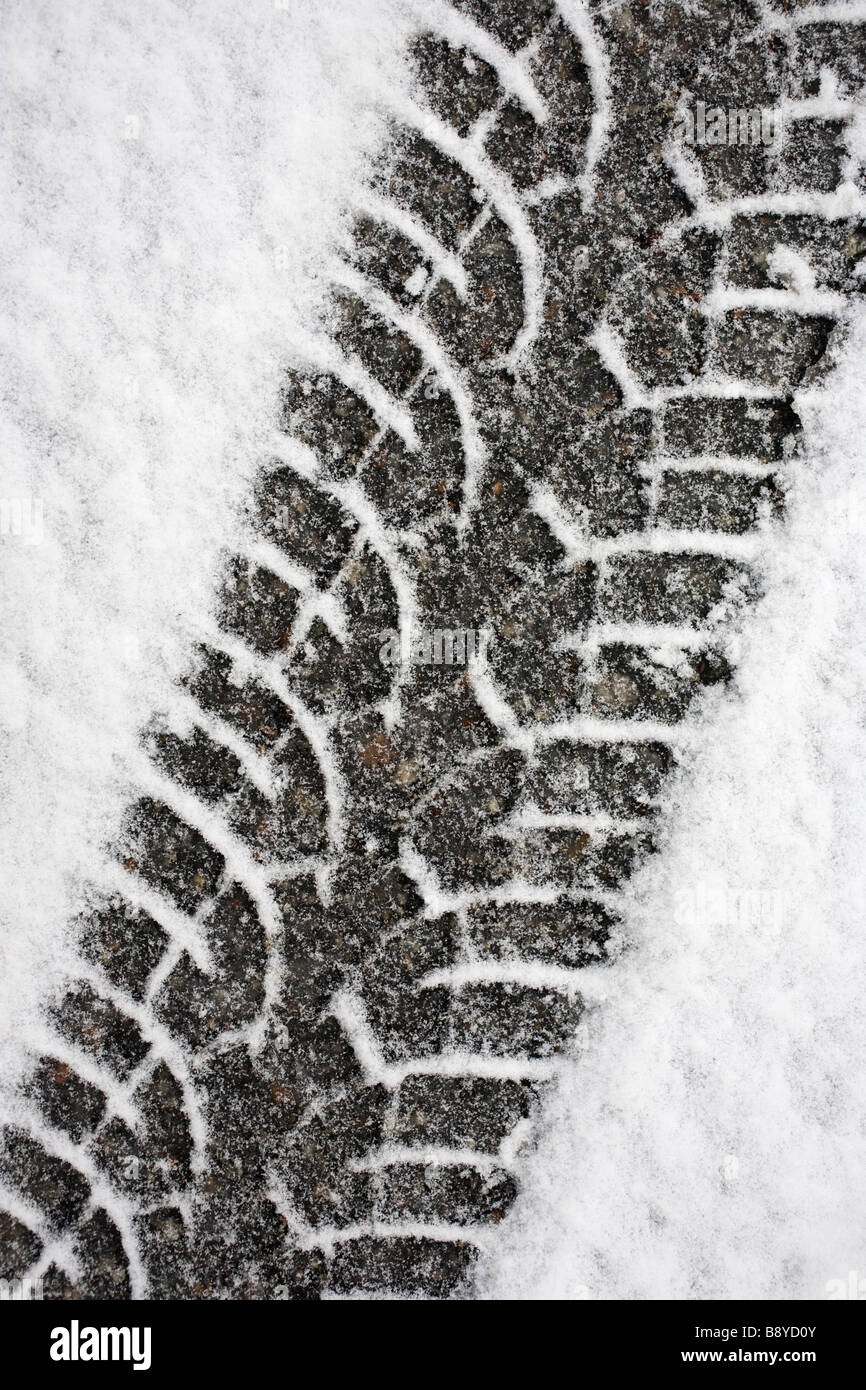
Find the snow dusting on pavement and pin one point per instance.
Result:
(710, 1142)
(172, 179)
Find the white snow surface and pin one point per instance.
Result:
(710, 1140)
(172, 180)
(173, 177)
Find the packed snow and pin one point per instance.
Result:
(710, 1140)
(172, 179)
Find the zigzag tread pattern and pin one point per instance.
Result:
(334, 961)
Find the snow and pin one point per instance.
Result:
(493, 186)
(173, 177)
(710, 1142)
